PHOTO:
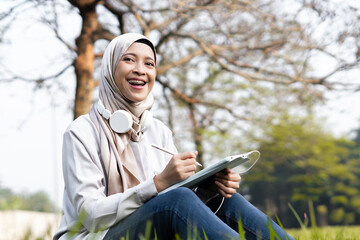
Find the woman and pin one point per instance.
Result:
(113, 176)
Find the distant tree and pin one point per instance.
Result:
(38, 201)
(354, 202)
(8, 200)
(300, 162)
(356, 139)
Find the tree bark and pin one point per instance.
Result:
(84, 63)
(198, 138)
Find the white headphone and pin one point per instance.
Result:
(121, 121)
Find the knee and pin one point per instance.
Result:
(238, 198)
(237, 202)
(181, 192)
(182, 195)
(183, 202)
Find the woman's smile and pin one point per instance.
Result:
(137, 83)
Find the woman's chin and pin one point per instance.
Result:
(137, 98)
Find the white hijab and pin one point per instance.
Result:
(118, 160)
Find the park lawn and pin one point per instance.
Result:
(327, 233)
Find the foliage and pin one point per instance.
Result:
(299, 162)
(38, 201)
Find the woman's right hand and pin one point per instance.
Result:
(180, 167)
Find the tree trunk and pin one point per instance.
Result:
(84, 63)
(198, 138)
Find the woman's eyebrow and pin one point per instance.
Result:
(132, 54)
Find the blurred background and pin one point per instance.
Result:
(233, 76)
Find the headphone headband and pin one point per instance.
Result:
(102, 110)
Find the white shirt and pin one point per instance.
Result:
(85, 180)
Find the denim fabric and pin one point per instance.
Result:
(181, 212)
(254, 222)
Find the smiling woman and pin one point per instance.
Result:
(113, 175)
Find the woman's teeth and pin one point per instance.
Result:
(137, 82)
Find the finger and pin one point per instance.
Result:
(231, 176)
(224, 172)
(189, 174)
(228, 183)
(185, 175)
(189, 168)
(187, 155)
(235, 177)
(188, 162)
(226, 189)
(183, 162)
(186, 165)
(222, 175)
(224, 193)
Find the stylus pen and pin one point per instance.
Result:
(169, 152)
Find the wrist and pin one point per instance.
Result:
(159, 183)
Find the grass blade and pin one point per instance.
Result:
(241, 230)
(297, 217)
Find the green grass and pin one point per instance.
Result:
(321, 233)
(308, 230)
(326, 233)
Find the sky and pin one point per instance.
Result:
(32, 123)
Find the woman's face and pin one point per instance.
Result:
(135, 74)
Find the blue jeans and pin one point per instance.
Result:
(181, 212)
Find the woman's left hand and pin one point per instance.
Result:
(227, 182)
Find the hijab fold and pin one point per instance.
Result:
(120, 165)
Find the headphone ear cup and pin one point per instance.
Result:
(121, 121)
(146, 119)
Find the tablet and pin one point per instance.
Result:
(228, 162)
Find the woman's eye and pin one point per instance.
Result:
(127, 59)
(150, 64)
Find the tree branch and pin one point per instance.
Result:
(191, 100)
(162, 69)
(38, 81)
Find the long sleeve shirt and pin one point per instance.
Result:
(85, 199)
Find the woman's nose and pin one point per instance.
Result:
(139, 68)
